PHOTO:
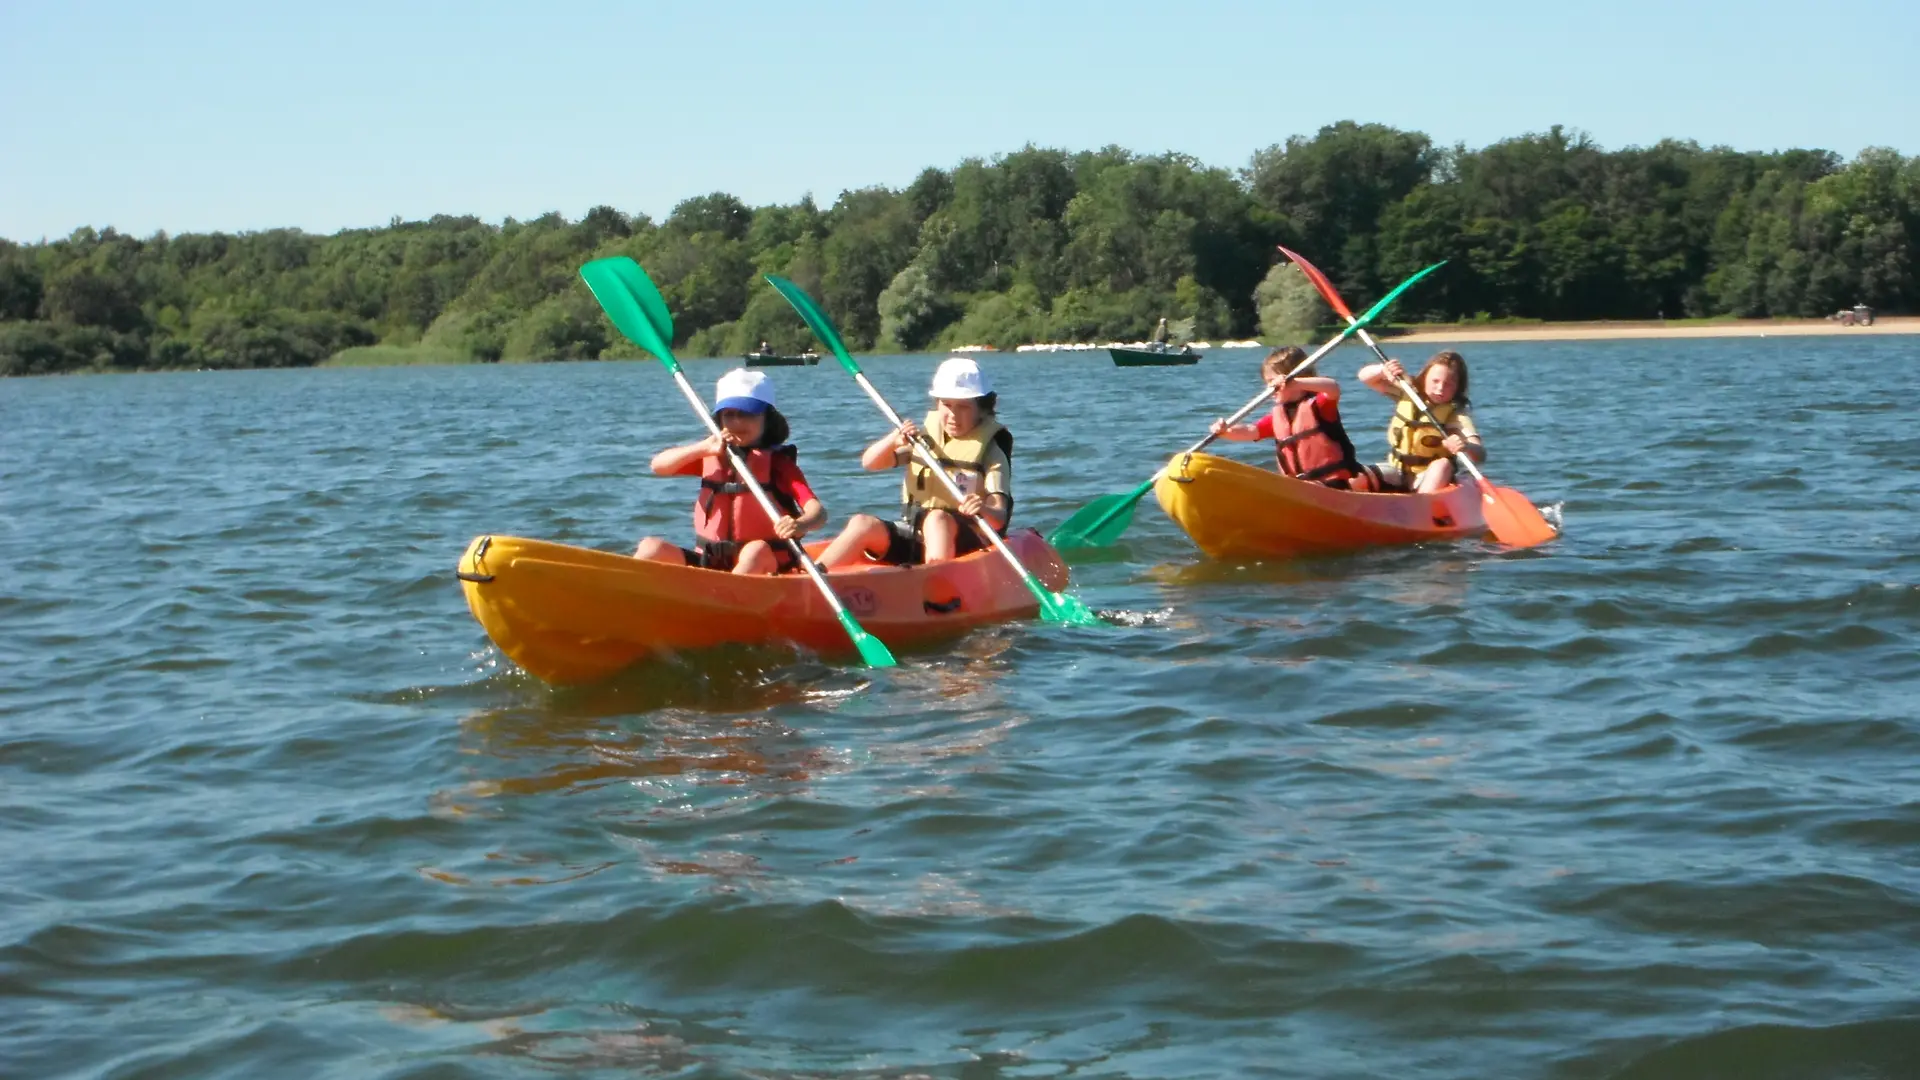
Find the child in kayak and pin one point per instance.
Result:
(732, 531)
(1422, 455)
(1310, 443)
(974, 449)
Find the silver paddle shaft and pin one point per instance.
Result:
(925, 451)
(759, 493)
(1262, 396)
(1418, 402)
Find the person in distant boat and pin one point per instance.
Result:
(1310, 443)
(1160, 335)
(765, 349)
(1421, 454)
(973, 447)
(732, 531)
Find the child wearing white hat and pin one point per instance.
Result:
(732, 531)
(975, 450)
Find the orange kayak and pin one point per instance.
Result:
(569, 614)
(1238, 511)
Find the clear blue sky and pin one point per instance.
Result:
(194, 116)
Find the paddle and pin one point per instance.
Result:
(629, 298)
(1511, 517)
(1104, 519)
(1054, 607)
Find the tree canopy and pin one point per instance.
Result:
(1039, 244)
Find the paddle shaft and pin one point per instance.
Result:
(1053, 606)
(766, 504)
(1271, 387)
(1123, 507)
(1466, 461)
(928, 458)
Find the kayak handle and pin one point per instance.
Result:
(479, 553)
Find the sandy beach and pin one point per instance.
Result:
(1594, 331)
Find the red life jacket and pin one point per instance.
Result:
(1312, 449)
(726, 509)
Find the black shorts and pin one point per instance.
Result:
(906, 546)
(723, 554)
(1345, 483)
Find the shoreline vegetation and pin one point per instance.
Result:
(1439, 333)
(1653, 329)
(1037, 245)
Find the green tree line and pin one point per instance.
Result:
(1035, 245)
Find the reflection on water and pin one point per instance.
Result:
(690, 738)
(1640, 799)
(1416, 577)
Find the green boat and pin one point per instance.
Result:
(1154, 356)
(760, 359)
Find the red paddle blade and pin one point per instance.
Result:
(1321, 283)
(1512, 518)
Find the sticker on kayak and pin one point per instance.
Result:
(860, 601)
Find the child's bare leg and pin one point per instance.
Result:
(864, 535)
(654, 549)
(937, 533)
(1438, 475)
(756, 558)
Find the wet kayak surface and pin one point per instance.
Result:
(1639, 803)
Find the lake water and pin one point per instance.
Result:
(1643, 803)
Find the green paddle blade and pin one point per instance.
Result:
(872, 649)
(816, 320)
(1100, 522)
(1053, 606)
(629, 298)
(1061, 608)
(1392, 296)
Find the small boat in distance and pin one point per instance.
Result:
(1157, 354)
(760, 359)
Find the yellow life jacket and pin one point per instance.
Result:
(1416, 443)
(963, 456)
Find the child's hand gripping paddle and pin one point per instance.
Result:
(1511, 517)
(633, 303)
(1054, 607)
(1104, 519)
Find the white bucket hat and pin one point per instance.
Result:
(747, 391)
(959, 377)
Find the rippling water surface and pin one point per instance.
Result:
(1639, 804)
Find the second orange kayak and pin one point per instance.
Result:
(1233, 510)
(569, 614)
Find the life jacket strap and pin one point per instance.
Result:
(1327, 470)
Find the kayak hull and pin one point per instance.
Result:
(1233, 510)
(569, 614)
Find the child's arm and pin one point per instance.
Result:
(681, 460)
(1380, 377)
(885, 451)
(1463, 437)
(812, 516)
(1319, 384)
(1236, 433)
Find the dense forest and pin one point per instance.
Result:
(1035, 245)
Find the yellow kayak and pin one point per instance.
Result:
(1233, 510)
(569, 614)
